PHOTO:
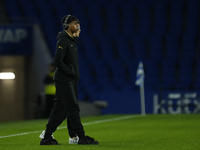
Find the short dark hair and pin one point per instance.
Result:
(70, 19)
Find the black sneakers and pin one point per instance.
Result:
(87, 141)
(49, 141)
(84, 141)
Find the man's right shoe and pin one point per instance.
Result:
(73, 141)
(49, 141)
(87, 141)
(42, 135)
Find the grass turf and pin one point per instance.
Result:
(150, 132)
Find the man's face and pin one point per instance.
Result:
(77, 33)
(73, 26)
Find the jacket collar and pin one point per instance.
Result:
(69, 34)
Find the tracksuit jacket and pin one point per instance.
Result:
(66, 58)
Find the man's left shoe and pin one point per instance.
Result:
(87, 141)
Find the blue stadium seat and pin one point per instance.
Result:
(168, 77)
(189, 38)
(29, 9)
(172, 51)
(176, 30)
(101, 71)
(115, 63)
(152, 76)
(152, 81)
(90, 48)
(168, 72)
(144, 17)
(97, 27)
(12, 9)
(61, 8)
(160, 8)
(139, 47)
(139, 51)
(168, 82)
(176, 8)
(185, 77)
(86, 80)
(193, 5)
(185, 71)
(84, 68)
(176, 18)
(192, 22)
(122, 47)
(171, 38)
(185, 82)
(156, 52)
(132, 65)
(111, 11)
(119, 81)
(129, 28)
(90, 92)
(196, 84)
(128, 12)
(160, 27)
(112, 27)
(188, 52)
(150, 63)
(91, 52)
(106, 49)
(169, 63)
(128, 87)
(118, 71)
(108, 87)
(156, 47)
(186, 63)
(94, 11)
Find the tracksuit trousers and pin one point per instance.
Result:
(66, 106)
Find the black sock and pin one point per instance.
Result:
(47, 135)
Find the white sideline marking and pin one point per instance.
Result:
(84, 124)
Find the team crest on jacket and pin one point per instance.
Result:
(60, 47)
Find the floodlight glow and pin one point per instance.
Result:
(7, 75)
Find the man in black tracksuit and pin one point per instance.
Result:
(66, 79)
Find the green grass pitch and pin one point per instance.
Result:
(114, 132)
